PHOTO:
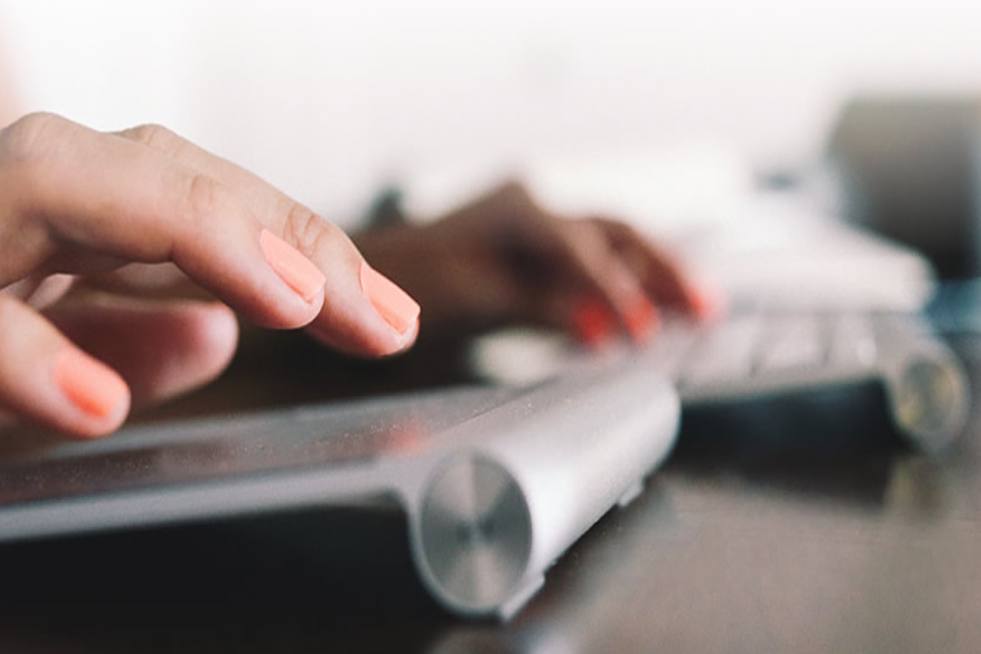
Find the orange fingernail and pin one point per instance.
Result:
(592, 322)
(392, 303)
(706, 303)
(641, 319)
(296, 270)
(92, 387)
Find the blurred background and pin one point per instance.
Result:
(327, 98)
(331, 101)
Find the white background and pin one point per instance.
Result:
(329, 99)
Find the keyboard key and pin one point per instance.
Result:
(723, 355)
(853, 343)
(790, 343)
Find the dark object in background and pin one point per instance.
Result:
(909, 169)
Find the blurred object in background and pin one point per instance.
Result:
(908, 168)
(775, 247)
(956, 308)
(10, 102)
(329, 99)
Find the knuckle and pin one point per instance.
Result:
(33, 136)
(625, 232)
(154, 136)
(514, 189)
(513, 200)
(204, 198)
(309, 232)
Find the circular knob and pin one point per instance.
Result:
(475, 532)
(930, 400)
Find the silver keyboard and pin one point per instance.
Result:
(496, 484)
(759, 352)
(751, 353)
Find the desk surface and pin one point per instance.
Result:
(793, 526)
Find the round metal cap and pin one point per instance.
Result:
(930, 401)
(475, 532)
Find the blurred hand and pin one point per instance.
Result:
(77, 206)
(504, 259)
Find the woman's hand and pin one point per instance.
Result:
(77, 206)
(503, 258)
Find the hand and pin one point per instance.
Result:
(504, 259)
(77, 205)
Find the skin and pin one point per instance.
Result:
(139, 248)
(77, 205)
(503, 258)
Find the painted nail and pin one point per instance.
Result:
(706, 303)
(296, 270)
(592, 322)
(641, 319)
(392, 303)
(91, 386)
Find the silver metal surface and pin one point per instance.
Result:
(930, 399)
(496, 483)
(476, 531)
(758, 352)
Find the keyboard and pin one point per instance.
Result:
(765, 352)
(495, 483)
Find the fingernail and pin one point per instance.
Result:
(392, 303)
(296, 270)
(91, 386)
(592, 323)
(706, 302)
(641, 319)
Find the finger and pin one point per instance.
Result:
(662, 274)
(83, 201)
(40, 291)
(332, 340)
(126, 201)
(591, 322)
(142, 280)
(164, 281)
(162, 349)
(605, 278)
(47, 379)
(363, 314)
(581, 258)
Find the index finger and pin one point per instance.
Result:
(662, 274)
(345, 320)
(105, 200)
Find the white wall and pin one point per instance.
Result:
(327, 98)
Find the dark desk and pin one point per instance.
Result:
(794, 527)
